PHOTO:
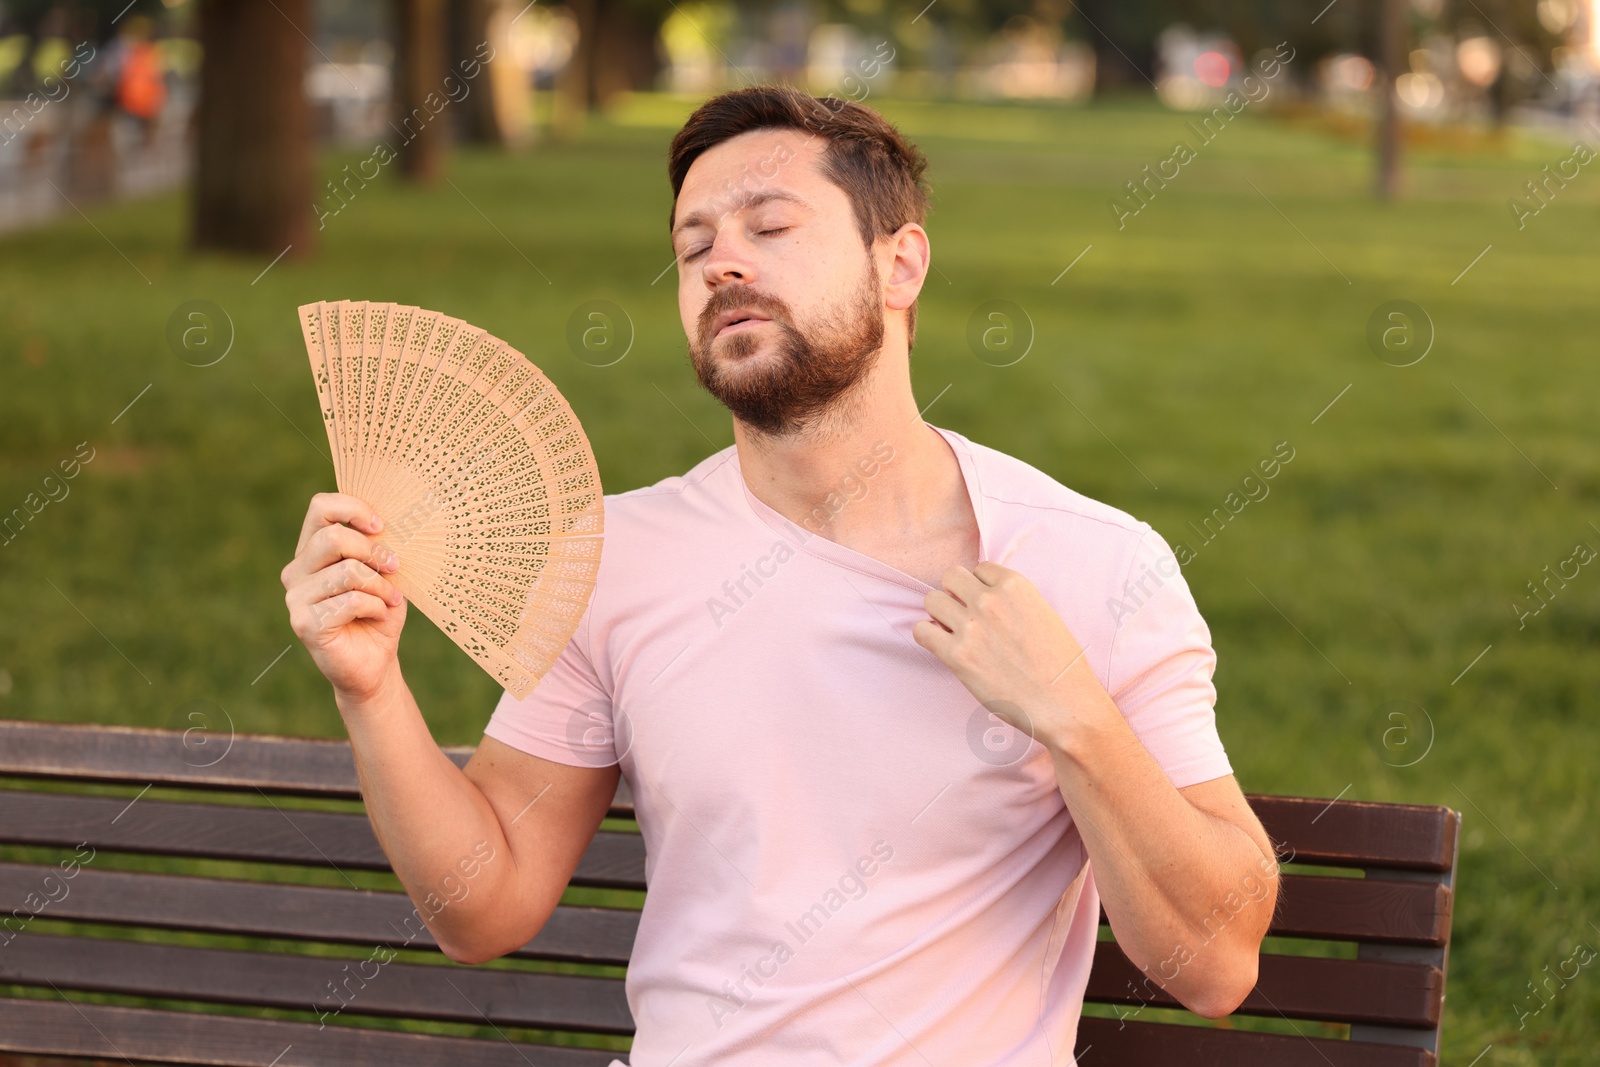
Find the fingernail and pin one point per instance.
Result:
(391, 562)
(377, 523)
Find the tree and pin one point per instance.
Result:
(616, 51)
(497, 109)
(1392, 54)
(1123, 38)
(420, 93)
(253, 176)
(476, 120)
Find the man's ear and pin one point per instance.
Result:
(912, 256)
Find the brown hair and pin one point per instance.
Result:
(878, 169)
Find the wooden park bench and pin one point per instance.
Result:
(128, 923)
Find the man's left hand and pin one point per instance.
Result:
(1000, 637)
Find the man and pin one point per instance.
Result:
(899, 711)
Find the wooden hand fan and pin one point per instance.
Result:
(483, 477)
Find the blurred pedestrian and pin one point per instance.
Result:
(136, 66)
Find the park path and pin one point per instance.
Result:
(58, 156)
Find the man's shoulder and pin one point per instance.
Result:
(1019, 491)
(677, 494)
(658, 538)
(657, 534)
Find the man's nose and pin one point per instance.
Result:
(729, 260)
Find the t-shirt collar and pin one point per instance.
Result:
(832, 551)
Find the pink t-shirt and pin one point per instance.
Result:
(849, 859)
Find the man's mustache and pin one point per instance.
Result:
(770, 307)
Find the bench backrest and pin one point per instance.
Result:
(203, 934)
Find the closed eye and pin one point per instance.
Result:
(691, 257)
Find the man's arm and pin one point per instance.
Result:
(484, 852)
(1188, 877)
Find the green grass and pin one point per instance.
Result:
(1222, 320)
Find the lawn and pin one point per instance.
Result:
(1376, 629)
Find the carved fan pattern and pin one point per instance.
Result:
(484, 479)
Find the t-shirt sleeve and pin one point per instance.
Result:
(567, 718)
(1161, 665)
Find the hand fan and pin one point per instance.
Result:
(483, 477)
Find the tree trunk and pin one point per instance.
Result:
(616, 52)
(1500, 96)
(476, 120)
(420, 91)
(498, 107)
(625, 51)
(1391, 64)
(1123, 57)
(577, 93)
(253, 174)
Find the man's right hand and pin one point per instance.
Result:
(429, 815)
(341, 607)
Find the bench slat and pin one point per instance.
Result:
(1373, 910)
(1113, 1043)
(210, 758)
(227, 831)
(45, 1027)
(1378, 910)
(312, 913)
(284, 836)
(1358, 833)
(1296, 987)
(1347, 833)
(278, 980)
(207, 757)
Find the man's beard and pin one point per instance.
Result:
(806, 374)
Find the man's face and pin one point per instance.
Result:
(763, 237)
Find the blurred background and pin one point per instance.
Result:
(1172, 239)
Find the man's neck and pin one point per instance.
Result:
(868, 473)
